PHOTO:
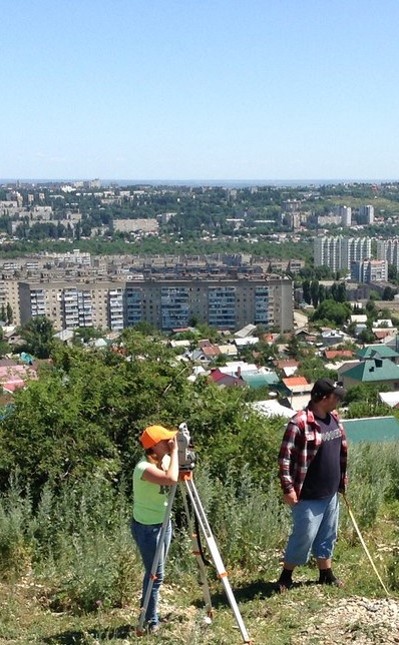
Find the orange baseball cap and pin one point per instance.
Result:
(154, 434)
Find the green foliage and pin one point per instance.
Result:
(334, 312)
(38, 336)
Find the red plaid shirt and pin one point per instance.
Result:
(301, 441)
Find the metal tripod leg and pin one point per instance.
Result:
(154, 566)
(214, 551)
(196, 551)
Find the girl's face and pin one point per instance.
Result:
(161, 448)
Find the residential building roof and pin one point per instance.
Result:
(286, 362)
(245, 331)
(389, 398)
(331, 354)
(373, 370)
(375, 429)
(226, 380)
(261, 379)
(297, 384)
(272, 408)
(382, 350)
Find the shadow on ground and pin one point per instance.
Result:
(258, 589)
(80, 638)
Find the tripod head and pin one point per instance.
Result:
(186, 453)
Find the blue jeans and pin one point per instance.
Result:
(315, 526)
(146, 537)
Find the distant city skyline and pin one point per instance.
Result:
(212, 92)
(226, 183)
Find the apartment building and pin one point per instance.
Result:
(370, 271)
(389, 250)
(340, 252)
(366, 214)
(167, 303)
(9, 296)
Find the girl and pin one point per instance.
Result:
(151, 478)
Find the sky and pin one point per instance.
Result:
(199, 89)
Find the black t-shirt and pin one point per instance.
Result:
(324, 473)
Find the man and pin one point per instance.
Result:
(312, 468)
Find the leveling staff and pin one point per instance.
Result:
(312, 461)
(151, 478)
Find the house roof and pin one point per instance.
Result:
(272, 408)
(382, 350)
(261, 379)
(389, 398)
(245, 331)
(373, 370)
(210, 351)
(286, 362)
(380, 334)
(330, 354)
(219, 378)
(375, 429)
(229, 349)
(297, 384)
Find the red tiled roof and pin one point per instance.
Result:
(286, 362)
(295, 380)
(210, 351)
(330, 354)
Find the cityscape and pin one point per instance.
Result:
(252, 248)
(199, 294)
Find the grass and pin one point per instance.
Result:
(70, 575)
(27, 617)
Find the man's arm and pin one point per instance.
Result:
(286, 458)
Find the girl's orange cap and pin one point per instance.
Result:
(154, 434)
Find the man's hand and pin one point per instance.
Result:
(291, 498)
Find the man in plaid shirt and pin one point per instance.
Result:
(312, 468)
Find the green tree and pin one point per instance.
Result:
(334, 312)
(388, 293)
(38, 336)
(10, 314)
(306, 292)
(314, 290)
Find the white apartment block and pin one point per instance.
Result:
(389, 250)
(370, 271)
(345, 213)
(165, 303)
(140, 225)
(339, 253)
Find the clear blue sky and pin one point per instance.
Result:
(199, 89)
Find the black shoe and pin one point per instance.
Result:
(333, 582)
(283, 585)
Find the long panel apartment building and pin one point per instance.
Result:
(340, 252)
(166, 303)
(389, 250)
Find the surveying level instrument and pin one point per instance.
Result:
(188, 488)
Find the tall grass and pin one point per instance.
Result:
(77, 542)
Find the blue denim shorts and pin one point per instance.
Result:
(315, 525)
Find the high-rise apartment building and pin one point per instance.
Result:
(345, 213)
(370, 271)
(166, 303)
(338, 253)
(366, 214)
(389, 250)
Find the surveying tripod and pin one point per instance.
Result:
(186, 484)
